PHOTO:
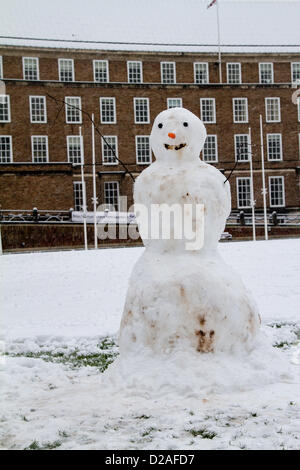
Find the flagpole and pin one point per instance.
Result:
(251, 184)
(219, 42)
(264, 191)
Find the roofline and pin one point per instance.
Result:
(155, 52)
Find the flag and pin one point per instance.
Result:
(212, 3)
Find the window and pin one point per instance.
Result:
(143, 150)
(295, 72)
(274, 144)
(208, 110)
(141, 111)
(101, 72)
(4, 108)
(135, 72)
(5, 149)
(78, 196)
(109, 147)
(276, 190)
(108, 110)
(75, 149)
(243, 190)
(234, 74)
(38, 112)
(31, 68)
(174, 103)
(66, 70)
(210, 149)
(272, 109)
(39, 148)
(168, 72)
(111, 194)
(201, 72)
(240, 109)
(73, 110)
(1, 67)
(241, 146)
(266, 72)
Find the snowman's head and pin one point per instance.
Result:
(177, 134)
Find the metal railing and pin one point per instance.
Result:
(35, 216)
(71, 216)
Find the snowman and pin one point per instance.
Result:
(185, 299)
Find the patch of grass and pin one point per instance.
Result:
(35, 445)
(101, 360)
(142, 417)
(148, 431)
(204, 433)
(283, 345)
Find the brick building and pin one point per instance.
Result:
(40, 149)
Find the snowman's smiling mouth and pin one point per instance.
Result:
(175, 147)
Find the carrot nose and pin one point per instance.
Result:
(172, 135)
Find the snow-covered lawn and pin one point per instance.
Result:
(60, 314)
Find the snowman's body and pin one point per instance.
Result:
(179, 298)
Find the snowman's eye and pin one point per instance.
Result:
(185, 124)
(160, 125)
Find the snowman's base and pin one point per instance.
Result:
(191, 302)
(188, 374)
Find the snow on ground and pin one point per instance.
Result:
(57, 310)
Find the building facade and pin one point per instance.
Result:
(46, 94)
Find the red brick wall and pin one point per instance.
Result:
(55, 191)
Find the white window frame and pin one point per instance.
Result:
(135, 100)
(59, 70)
(107, 137)
(81, 149)
(77, 184)
(268, 147)
(283, 191)
(216, 146)
(245, 100)
(279, 108)
(8, 109)
(45, 107)
(140, 63)
(136, 150)
(240, 72)
(36, 59)
(10, 148)
(118, 191)
(1, 67)
(214, 110)
(162, 72)
(237, 191)
(114, 106)
(236, 148)
(293, 64)
(68, 121)
(168, 103)
(107, 70)
(260, 72)
(207, 72)
(32, 148)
